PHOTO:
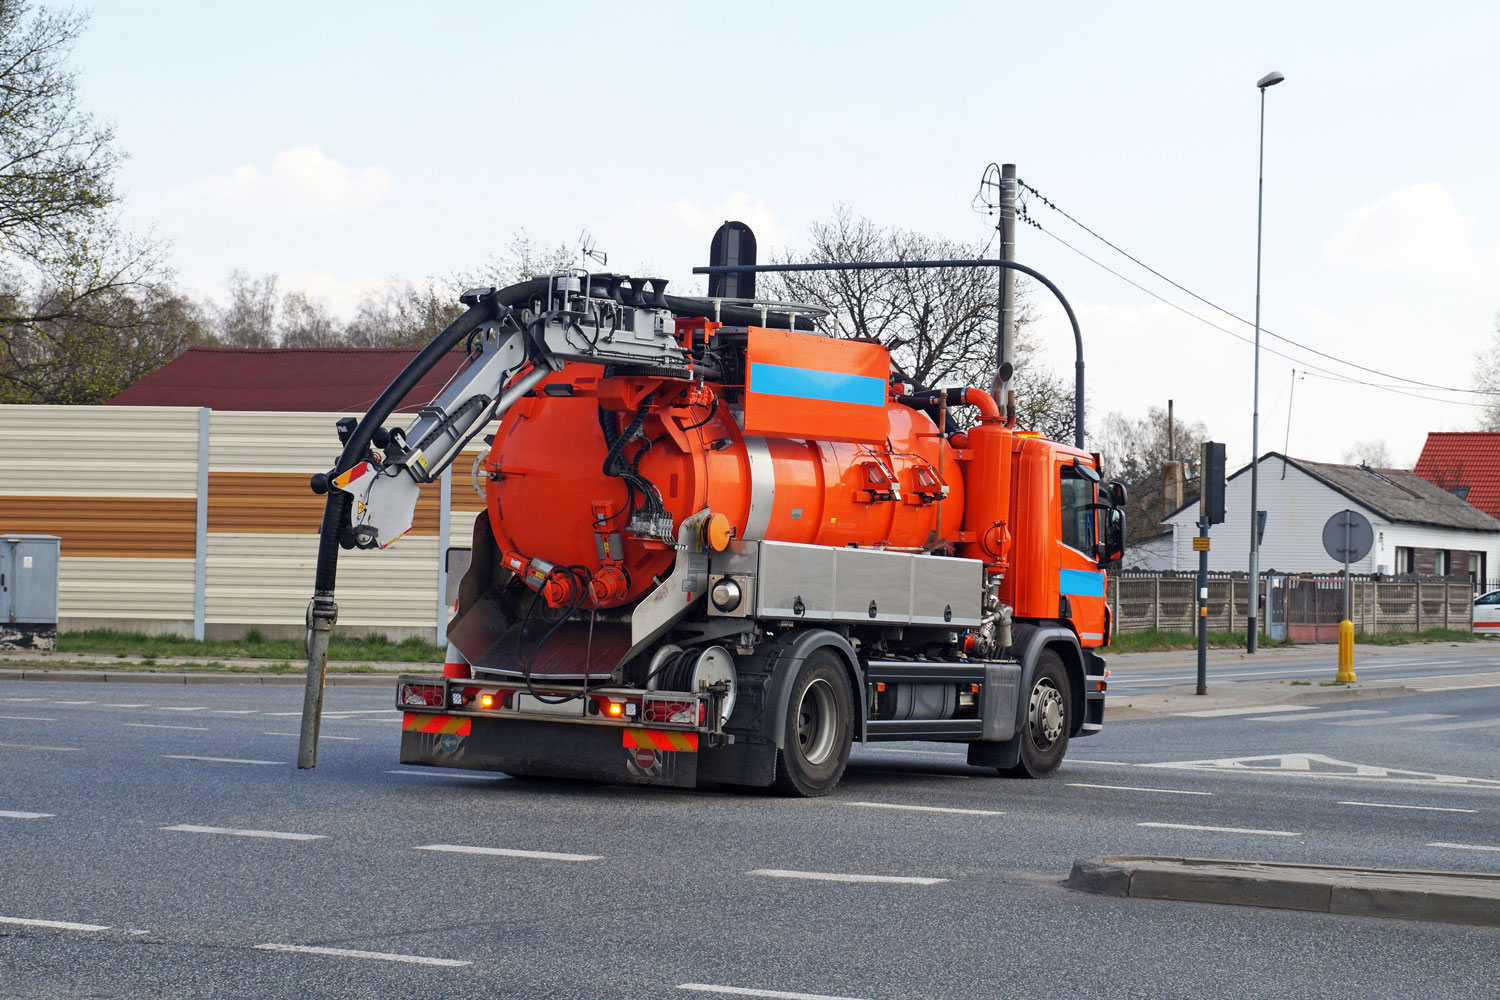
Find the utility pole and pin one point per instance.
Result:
(1004, 363)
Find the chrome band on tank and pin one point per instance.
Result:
(762, 488)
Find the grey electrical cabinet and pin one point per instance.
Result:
(28, 591)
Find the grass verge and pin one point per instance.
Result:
(1153, 641)
(253, 647)
(211, 666)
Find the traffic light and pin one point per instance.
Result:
(1211, 499)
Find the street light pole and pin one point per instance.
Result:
(1252, 625)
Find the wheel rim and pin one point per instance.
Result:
(1046, 714)
(817, 723)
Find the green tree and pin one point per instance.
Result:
(85, 308)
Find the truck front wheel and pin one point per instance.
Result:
(818, 727)
(1049, 719)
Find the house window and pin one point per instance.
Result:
(1440, 562)
(1403, 559)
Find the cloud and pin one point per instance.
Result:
(302, 181)
(1413, 230)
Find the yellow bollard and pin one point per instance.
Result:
(1346, 653)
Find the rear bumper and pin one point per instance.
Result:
(547, 749)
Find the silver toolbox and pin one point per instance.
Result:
(821, 583)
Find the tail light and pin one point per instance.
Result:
(422, 695)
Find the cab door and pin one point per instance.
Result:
(1080, 582)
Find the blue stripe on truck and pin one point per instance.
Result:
(810, 383)
(1080, 583)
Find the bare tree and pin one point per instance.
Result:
(939, 323)
(1371, 453)
(1135, 450)
(403, 314)
(1487, 379)
(306, 322)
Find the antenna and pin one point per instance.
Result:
(586, 250)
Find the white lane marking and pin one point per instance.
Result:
(1462, 687)
(283, 713)
(321, 736)
(929, 809)
(16, 814)
(1316, 765)
(180, 708)
(218, 760)
(25, 699)
(744, 991)
(233, 832)
(33, 746)
(363, 711)
(237, 711)
(1110, 763)
(1449, 726)
(1135, 788)
(509, 852)
(1220, 829)
(453, 774)
(151, 725)
(1463, 847)
(134, 704)
(73, 703)
(1346, 713)
(27, 718)
(1389, 805)
(59, 925)
(1215, 713)
(844, 877)
(382, 956)
(1391, 720)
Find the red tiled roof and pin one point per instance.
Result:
(333, 380)
(1464, 458)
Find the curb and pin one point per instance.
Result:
(1328, 695)
(145, 677)
(1447, 897)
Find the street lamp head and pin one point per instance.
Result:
(1271, 79)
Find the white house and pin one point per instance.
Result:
(1155, 553)
(1419, 527)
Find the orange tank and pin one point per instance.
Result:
(549, 498)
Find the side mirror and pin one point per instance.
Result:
(1115, 494)
(1114, 537)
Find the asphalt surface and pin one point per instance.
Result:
(642, 892)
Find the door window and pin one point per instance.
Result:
(1077, 493)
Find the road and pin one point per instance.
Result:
(175, 849)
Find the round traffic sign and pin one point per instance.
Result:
(1348, 537)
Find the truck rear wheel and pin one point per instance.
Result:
(1049, 719)
(818, 728)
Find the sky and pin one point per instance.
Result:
(341, 146)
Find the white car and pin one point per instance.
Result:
(1487, 613)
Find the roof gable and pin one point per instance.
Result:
(1456, 459)
(331, 380)
(1397, 495)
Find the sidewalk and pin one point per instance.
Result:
(32, 665)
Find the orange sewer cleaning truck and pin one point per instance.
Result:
(720, 546)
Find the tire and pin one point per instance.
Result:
(1049, 720)
(818, 727)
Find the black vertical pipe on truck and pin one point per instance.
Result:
(908, 265)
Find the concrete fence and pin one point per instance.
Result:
(1301, 607)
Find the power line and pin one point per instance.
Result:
(1308, 367)
(1232, 315)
